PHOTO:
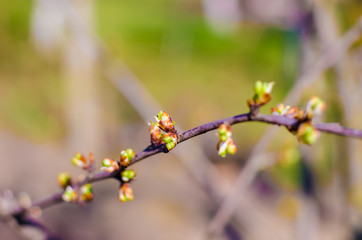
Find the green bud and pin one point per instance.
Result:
(307, 134)
(170, 145)
(78, 156)
(223, 137)
(87, 192)
(64, 179)
(231, 149)
(167, 139)
(130, 153)
(128, 175)
(222, 131)
(160, 115)
(69, 195)
(258, 87)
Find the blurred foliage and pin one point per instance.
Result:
(164, 43)
(288, 207)
(287, 170)
(30, 86)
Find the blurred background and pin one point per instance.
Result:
(84, 75)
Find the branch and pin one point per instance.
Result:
(290, 123)
(248, 173)
(36, 224)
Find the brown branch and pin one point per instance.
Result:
(27, 221)
(248, 173)
(290, 123)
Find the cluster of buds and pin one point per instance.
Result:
(287, 111)
(126, 157)
(126, 175)
(168, 136)
(80, 160)
(70, 193)
(125, 160)
(315, 106)
(306, 133)
(125, 193)
(262, 94)
(226, 143)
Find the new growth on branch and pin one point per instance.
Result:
(164, 137)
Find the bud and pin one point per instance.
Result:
(225, 147)
(80, 161)
(64, 179)
(86, 192)
(292, 112)
(280, 109)
(109, 165)
(128, 175)
(258, 88)
(165, 122)
(69, 195)
(156, 134)
(262, 92)
(315, 106)
(226, 143)
(224, 132)
(231, 147)
(126, 157)
(125, 193)
(307, 134)
(170, 139)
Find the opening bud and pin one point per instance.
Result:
(128, 175)
(165, 122)
(315, 106)
(225, 147)
(70, 195)
(87, 192)
(109, 165)
(125, 193)
(224, 132)
(170, 139)
(156, 134)
(64, 179)
(126, 157)
(262, 94)
(307, 134)
(80, 161)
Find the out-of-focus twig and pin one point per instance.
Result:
(27, 221)
(248, 173)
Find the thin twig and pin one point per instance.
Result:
(290, 123)
(36, 224)
(248, 173)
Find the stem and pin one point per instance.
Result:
(290, 123)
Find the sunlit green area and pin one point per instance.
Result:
(197, 74)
